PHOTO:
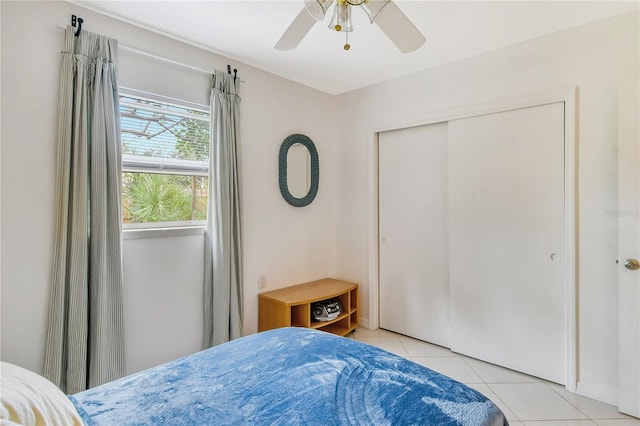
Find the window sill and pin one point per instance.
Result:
(139, 233)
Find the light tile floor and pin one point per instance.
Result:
(525, 400)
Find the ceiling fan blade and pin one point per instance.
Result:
(296, 31)
(317, 8)
(395, 24)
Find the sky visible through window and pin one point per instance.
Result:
(159, 130)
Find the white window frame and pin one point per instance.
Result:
(143, 164)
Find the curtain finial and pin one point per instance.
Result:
(79, 21)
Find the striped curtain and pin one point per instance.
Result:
(85, 340)
(223, 245)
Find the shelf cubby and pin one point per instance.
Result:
(291, 306)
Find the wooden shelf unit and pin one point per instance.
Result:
(291, 306)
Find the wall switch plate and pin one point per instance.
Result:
(262, 281)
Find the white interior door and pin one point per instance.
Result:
(628, 214)
(507, 248)
(414, 282)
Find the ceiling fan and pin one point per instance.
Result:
(393, 22)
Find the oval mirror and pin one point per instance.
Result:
(299, 170)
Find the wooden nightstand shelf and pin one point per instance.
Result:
(291, 306)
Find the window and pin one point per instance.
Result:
(165, 162)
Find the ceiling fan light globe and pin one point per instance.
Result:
(374, 8)
(317, 8)
(341, 20)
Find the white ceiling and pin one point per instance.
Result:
(246, 31)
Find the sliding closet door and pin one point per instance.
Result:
(414, 293)
(507, 248)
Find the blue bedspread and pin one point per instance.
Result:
(287, 376)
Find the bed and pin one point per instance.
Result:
(287, 376)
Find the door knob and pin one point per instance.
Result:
(632, 264)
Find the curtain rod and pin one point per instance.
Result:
(162, 58)
(165, 59)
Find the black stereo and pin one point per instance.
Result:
(326, 310)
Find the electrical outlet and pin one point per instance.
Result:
(262, 281)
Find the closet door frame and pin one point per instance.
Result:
(565, 95)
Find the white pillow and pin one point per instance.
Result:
(30, 399)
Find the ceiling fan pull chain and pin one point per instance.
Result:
(347, 46)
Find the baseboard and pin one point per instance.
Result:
(363, 322)
(606, 394)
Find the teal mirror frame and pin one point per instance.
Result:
(315, 170)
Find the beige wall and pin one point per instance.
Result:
(162, 276)
(331, 237)
(596, 58)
